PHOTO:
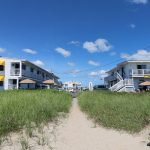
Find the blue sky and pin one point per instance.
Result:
(75, 38)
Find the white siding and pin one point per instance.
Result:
(8, 81)
(130, 66)
(7, 72)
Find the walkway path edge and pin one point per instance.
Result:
(79, 133)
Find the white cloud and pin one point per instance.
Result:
(72, 64)
(29, 51)
(77, 43)
(100, 73)
(2, 50)
(123, 55)
(132, 25)
(139, 55)
(100, 45)
(63, 52)
(38, 63)
(90, 46)
(94, 73)
(139, 1)
(91, 62)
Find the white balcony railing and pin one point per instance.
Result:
(12, 86)
(128, 82)
(15, 72)
(140, 72)
(35, 76)
(121, 84)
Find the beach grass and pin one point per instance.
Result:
(122, 111)
(19, 109)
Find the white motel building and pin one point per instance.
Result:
(13, 71)
(72, 85)
(128, 76)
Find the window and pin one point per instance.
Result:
(101, 86)
(1, 68)
(24, 67)
(38, 72)
(17, 66)
(14, 81)
(31, 69)
(141, 66)
(1, 83)
(43, 75)
(140, 81)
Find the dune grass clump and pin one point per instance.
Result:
(20, 109)
(122, 111)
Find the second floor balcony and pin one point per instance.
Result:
(15, 72)
(35, 76)
(140, 72)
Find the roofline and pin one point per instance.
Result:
(132, 61)
(40, 68)
(23, 60)
(126, 62)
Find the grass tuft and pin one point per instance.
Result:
(122, 111)
(20, 109)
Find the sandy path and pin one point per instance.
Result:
(79, 133)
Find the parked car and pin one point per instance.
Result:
(99, 87)
(85, 88)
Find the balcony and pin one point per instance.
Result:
(140, 72)
(34, 75)
(15, 72)
(12, 86)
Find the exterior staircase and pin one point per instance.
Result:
(118, 76)
(124, 85)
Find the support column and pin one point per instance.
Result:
(20, 69)
(17, 84)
